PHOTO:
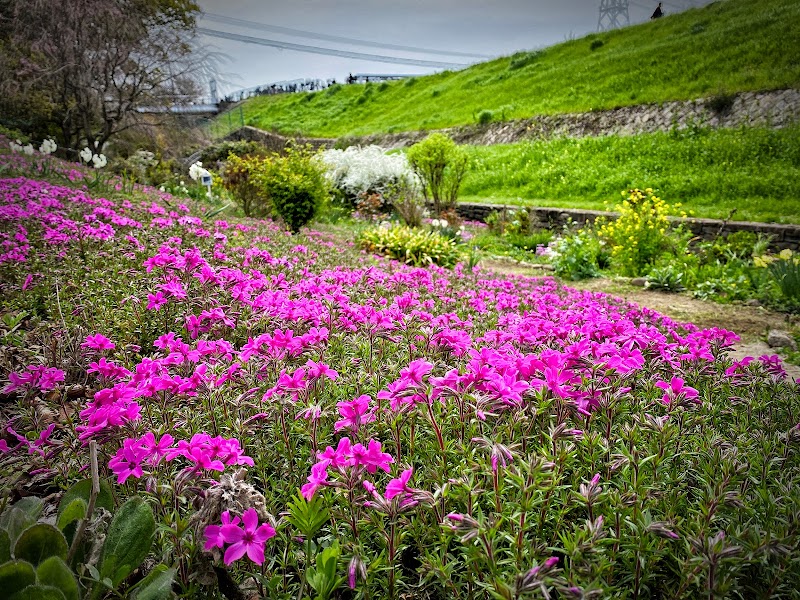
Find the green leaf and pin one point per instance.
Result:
(156, 586)
(5, 546)
(31, 506)
(16, 575)
(72, 512)
(83, 489)
(323, 579)
(55, 572)
(129, 539)
(39, 592)
(15, 522)
(307, 516)
(40, 541)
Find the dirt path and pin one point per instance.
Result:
(751, 323)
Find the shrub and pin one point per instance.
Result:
(485, 117)
(241, 177)
(440, 165)
(412, 246)
(640, 233)
(667, 278)
(359, 170)
(721, 103)
(405, 198)
(576, 256)
(295, 184)
(596, 44)
(514, 220)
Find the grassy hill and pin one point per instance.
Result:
(725, 47)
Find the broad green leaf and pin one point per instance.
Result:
(156, 586)
(83, 489)
(54, 572)
(17, 521)
(40, 541)
(16, 575)
(72, 512)
(39, 592)
(129, 539)
(31, 506)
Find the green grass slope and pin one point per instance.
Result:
(711, 172)
(728, 46)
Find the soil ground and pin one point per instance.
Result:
(751, 323)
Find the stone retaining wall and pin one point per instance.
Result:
(776, 108)
(783, 236)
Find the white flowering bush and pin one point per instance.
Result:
(358, 171)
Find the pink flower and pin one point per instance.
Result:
(156, 301)
(356, 413)
(413, 374)
(249, 540)
(213, 533)
(676, 389)
(400, 485)
(127, 461)
(374, 458)
(773, 365)
(98, 342)
(339, 458)
(318, 478)
(317, 370)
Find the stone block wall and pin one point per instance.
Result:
(775, 108)
(783, 236)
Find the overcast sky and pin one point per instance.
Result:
(487, 27)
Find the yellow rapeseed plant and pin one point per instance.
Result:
(639, 234)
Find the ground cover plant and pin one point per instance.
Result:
(714, 51)
(712, 173)
(290, 417)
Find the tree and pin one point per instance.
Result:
(86, 70)
(441, 165)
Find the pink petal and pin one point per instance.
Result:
(235, 552)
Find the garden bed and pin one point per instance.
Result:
(286, 416)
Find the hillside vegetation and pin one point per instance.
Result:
(723, 48)
(711, 172)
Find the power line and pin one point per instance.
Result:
(248, 39)
(331, 38)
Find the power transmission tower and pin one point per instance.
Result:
(613, 14)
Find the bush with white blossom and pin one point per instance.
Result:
(361, 170)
